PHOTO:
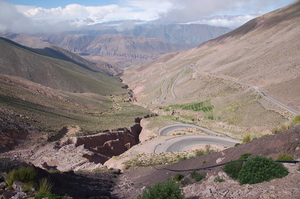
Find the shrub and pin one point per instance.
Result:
(45, 186)
(232, 169)
(246, 139)
(245, 156)
(24, 174)
(260, 169)
(218, 179)
(199, 153)
(284, 157)
(178, 177)
(199, 177)
(28, 187)
(296, 120)
(167, 190)
(196, 176)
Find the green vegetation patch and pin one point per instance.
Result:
(284, 157)
(167, 190)
(260, 169)
(196, 176)
(204, 106)
(178, 177)
(255, 170)
(26, 175)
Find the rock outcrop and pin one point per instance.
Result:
(85, 152)
(111, 143)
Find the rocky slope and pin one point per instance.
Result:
(133, 181)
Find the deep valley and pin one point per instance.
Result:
(107, 115)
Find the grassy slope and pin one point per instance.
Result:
(55, 73)
(50, 110)
(49, 93)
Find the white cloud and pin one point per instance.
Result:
(225, 21)
(37, 19)
(11, 19)
(191, 10)
(73, 12)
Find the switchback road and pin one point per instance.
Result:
(180, 143)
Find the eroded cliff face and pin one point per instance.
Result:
(111, 143)
(87, 152)
(66, 151)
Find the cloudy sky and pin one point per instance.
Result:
(32, 16)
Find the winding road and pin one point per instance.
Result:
(179, 143)
(162, 98)
(168, 129)
(256, 88)
(163, 95)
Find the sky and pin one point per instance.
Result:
(32, 16)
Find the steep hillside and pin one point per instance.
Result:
(264, 53)
(56, 70)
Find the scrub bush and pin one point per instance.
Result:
(260, 169)
(167, 190)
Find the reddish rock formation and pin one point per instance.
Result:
(112, 142)
(109, 144)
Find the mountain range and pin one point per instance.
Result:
(122, 49)
(183, 34)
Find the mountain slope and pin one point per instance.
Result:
(263, 52)
(57, 71)
(43, 92)
(130, 46)
(184, 34)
